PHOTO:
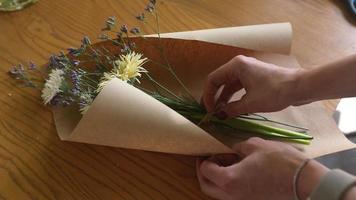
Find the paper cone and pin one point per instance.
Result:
(123, 116)
(135, 120)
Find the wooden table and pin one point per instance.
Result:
(35, 164)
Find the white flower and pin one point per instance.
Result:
(52, 85)
(128, 67)
(85, 100)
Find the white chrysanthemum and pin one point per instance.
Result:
(52, 85)
(128, 67)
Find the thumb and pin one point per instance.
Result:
(213, 171)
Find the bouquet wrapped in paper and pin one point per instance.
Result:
(141, 91)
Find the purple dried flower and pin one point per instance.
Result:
(125, 49)
(75, 62)
(75, 92)
(62, 54)
(86, 41)
(75, 77)
(135, 30)
(132, 45)
(124, 28)
(16, 72)
(85, 101)
(21, 67)
(13, 70)
(141, 17)
(32, 66)
(61, 100)
(150, 6)
(103, 37)
(54, 61)
(109, 24)
(111, 20)
(56, 100)
(67, 101)
(119, 36)
(73, 51)
(57, 62)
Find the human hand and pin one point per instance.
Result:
(268, 87)
(263, 170)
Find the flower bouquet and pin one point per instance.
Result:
(137, 91)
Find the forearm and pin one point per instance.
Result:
(330, 81)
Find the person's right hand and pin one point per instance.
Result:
(262, 170)
(268, 87)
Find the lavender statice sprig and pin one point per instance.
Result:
(20, 73)
(110, 23)
(151, 6)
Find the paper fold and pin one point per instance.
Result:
(276, 38)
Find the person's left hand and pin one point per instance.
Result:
(265, 171)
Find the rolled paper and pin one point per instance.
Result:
(275, 38)
(124, 116)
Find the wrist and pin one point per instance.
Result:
(350, 194)
(297, 92)
(309, 178)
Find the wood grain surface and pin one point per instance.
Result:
(35, 164)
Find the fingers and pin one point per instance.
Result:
(228, 91)
(249, 146)
(214, 172)
(207, 186)
(214, 81)
(235, 108)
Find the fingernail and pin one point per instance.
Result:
(221, 115)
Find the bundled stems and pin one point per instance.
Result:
(256, 128)
(196, 112)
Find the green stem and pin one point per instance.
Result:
(248, 125)
(257, 128)
(167, 62)
(162, 87)
(262, 118)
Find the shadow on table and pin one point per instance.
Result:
(345, 160)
